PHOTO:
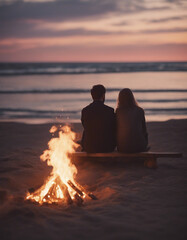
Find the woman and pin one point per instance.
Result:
(132, 134)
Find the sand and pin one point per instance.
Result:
(133, 202)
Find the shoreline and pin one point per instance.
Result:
(78, 121)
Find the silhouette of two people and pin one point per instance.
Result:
(104, 129)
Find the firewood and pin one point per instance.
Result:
(49, 193)
(89, 194)
(78, 200)
(75, 188)
(31, 190)
(92, 196)
(64, 189)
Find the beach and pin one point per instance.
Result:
(133, 202)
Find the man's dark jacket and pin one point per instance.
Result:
(98, 121)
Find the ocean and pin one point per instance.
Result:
(56, 92)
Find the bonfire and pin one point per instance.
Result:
(60, 186)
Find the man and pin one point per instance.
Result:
(98, 121)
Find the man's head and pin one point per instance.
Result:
(98, 92)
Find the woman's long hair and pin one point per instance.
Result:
(126, 99)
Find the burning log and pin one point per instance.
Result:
(92, 196)
(78, 199)
(89, 194)
(50, 194)
(80, 192)
(75, 188)
(64, 189)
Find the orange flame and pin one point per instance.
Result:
(60, 186)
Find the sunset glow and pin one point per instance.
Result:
(122, 30)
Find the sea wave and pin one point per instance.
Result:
(73, 90)
(38, 111)
(148, 100)
(33, 113)
(8, 69)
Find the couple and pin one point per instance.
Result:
(105, 130)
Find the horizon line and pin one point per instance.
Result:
(184, 61)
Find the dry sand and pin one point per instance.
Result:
(134, 202)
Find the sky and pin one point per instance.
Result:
(93, 30)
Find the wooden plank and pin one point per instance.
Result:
(166, 154)
(129, 155)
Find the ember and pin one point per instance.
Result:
(61, 185)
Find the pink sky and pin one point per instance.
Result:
(97, 30)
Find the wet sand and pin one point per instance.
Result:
(133, 202)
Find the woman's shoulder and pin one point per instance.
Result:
(139, 109)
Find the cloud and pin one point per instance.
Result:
(56, 10)
(168, 19)
(13, 12)
(39, 29)
(28, 30)
(122, 23)
(171, 30)
(19, 18)
(69, 9)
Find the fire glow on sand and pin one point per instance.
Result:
(60, 186)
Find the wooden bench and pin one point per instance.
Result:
(150, 158)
